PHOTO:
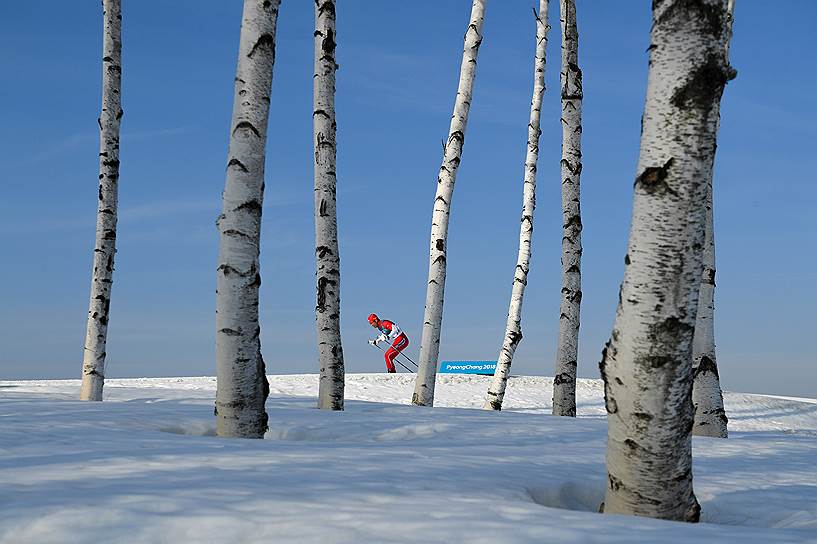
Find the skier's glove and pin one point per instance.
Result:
(381, 338)
(373, 342)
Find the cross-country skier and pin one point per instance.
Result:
(389, 331)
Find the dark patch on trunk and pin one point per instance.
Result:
(683, 476)
(515, 337)
(706, 365)
(323, 251)
(457, 135)
(654, 178)
(704, 87)
(654, 361)
(322, 283)
(237, 163)
(246, 125)
(265, 41)
(440, 244)
(642, 416)
(230, 332)
(614, 483)
(328, 44)
(634, 446)
(562, 378)
(329, 7)
(233, 232)
(693, 515)
(709, 276)
(226, 269)
(711, 14)
(574, 222)
(252, 206)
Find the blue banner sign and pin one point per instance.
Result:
(468, 367)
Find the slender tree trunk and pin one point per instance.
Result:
(647, 363)
(242, 388)
(433, 315)
(513, 328)
(567, 352)
(707, 397)
(96, 335)
(327, 310)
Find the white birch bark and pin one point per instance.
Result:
(96, 335)
(433, 314)
(647, 363)
(242, 386)
(513, 328)
(707, 397)
(567, 350)
(327, 309)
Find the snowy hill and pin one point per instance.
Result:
(145, 467)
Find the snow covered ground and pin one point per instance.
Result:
(145, 466)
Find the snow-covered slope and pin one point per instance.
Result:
(145, 467)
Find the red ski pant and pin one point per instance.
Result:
(400, 343)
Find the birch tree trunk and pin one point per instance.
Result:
(567, 352)
(242, 386)
(707, 397)
(647, 363)
(96, 335)
(513, 328)
(327, 309)
(433, 315)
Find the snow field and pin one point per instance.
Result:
(145, 466)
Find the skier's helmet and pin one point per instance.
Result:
(373, 319)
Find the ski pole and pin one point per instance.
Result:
(407, 357)
(398, 362)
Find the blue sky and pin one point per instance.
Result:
(396, 84)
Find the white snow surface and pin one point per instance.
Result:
(145, 466)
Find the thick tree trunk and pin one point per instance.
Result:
(707, 397)
(433, 315)
(647, 363)
(513, 328)
(567, 351)
(327, 309)
(242, 383)
(96, 335)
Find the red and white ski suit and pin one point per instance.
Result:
(399, 341)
